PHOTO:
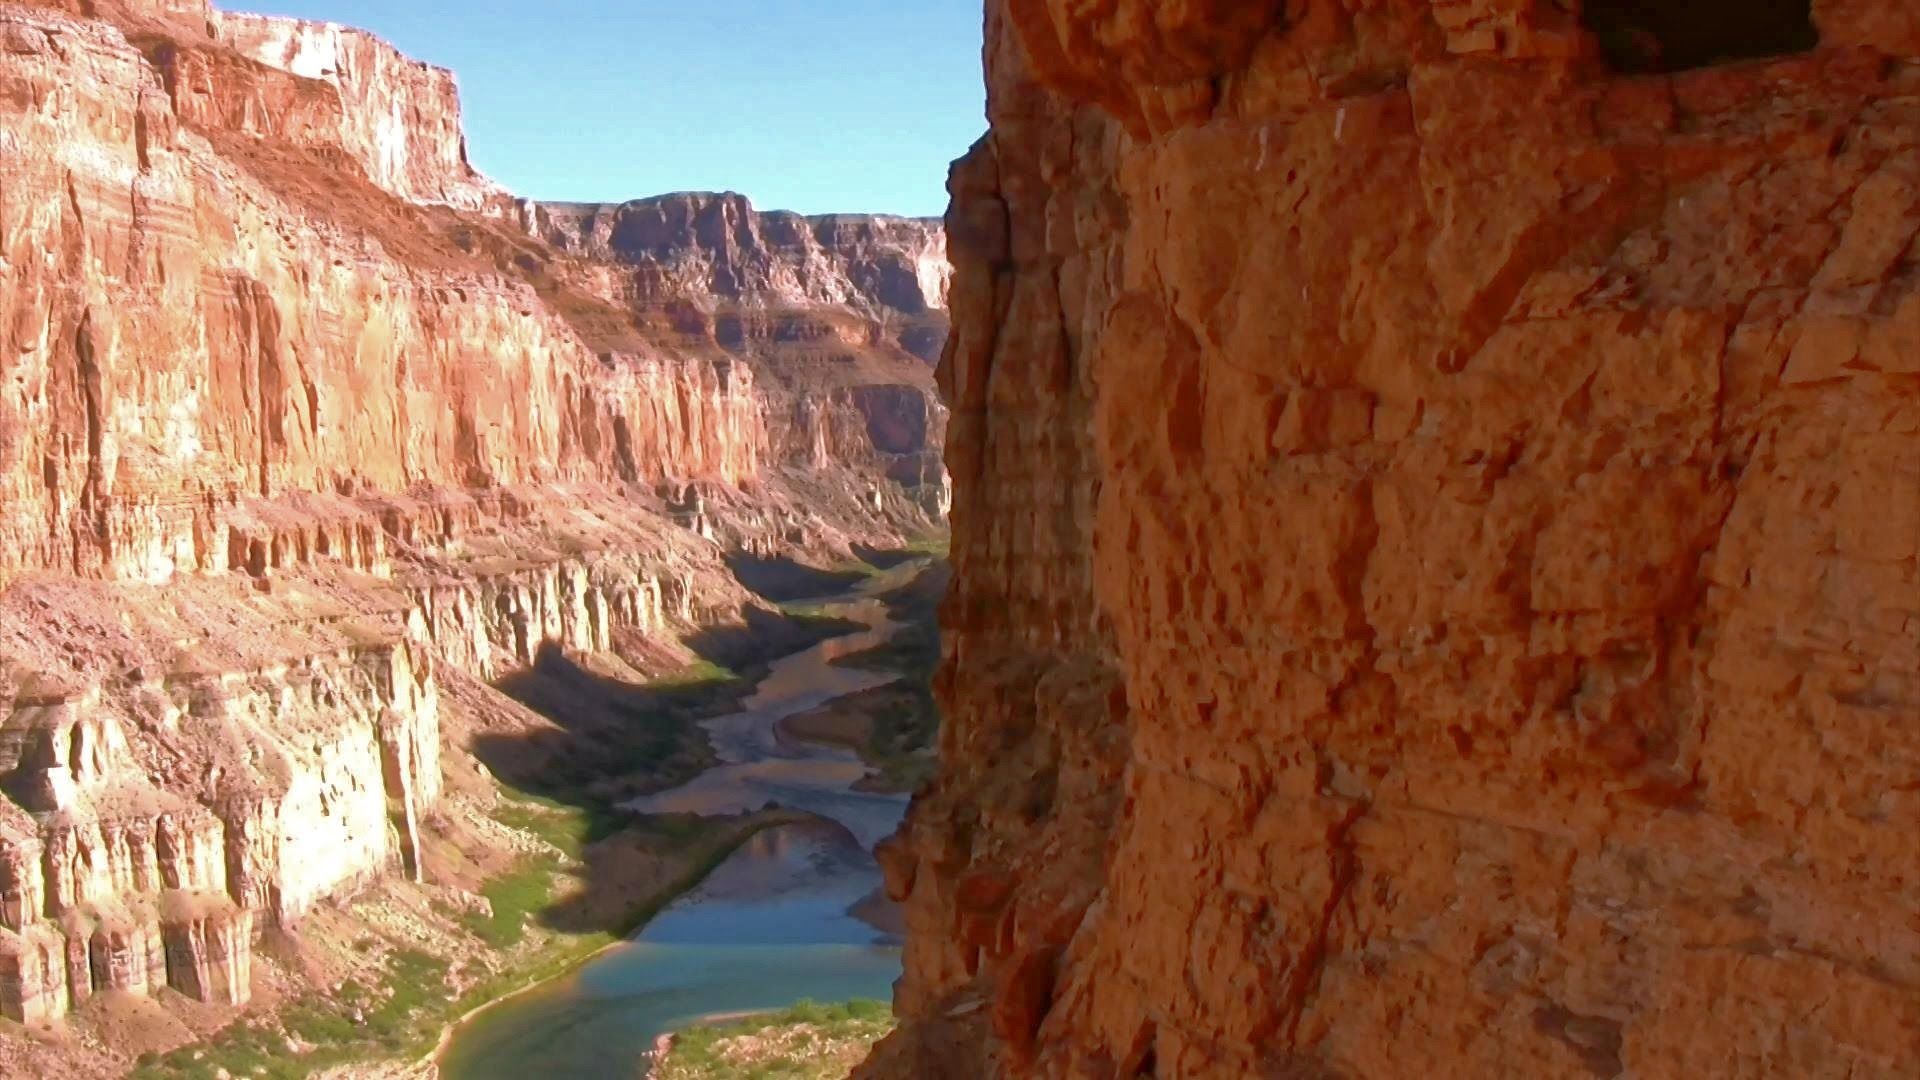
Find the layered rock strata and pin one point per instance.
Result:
(295, 414)
(1435, 535)
(840, 316)
(185, 336)
(399, 118)
(717, 245)
(155, 819)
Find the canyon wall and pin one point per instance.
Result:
(399, 118)
(841, 316)
(1438, 490)
(184, 333)
(295, 416)
(717, 245)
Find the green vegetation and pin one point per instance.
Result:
(807, 1042)
(705, 673)
(902, 752)
(914, 651)
(933, 546)
(513, 899)
(405, 1014)
(402, 1014)
(567, 829)
(912, 654)
(528, 890)
(900, 723)
(807, 610)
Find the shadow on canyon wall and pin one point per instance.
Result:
(613, 739)
(781, 580)
(883, 558)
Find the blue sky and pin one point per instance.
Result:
(808, 105)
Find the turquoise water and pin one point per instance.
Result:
(771, 926)
(603, 1022)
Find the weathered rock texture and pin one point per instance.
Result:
(840, 316)
(295, 412)
(717, 245)
(398, 118)
(1435, 542)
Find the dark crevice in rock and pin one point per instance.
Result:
(1597, 1040)
(1647, 36)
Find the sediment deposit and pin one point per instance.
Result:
(1437, 496)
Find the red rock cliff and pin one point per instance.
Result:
(400, 118)
(693, 244)
(839, 315)
(293, 420)
(1438, 488)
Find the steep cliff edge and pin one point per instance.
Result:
(716, 245)
(400, 118)
(840, 316)
(1437, 496)
(300, 428)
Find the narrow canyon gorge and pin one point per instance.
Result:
(1434, 489)
(1437, 495)
(309, 433)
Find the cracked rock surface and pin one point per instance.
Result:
(1435, 536)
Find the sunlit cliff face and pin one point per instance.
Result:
(1435, 534)
(298, 416)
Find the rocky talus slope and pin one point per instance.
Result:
(1437, 497)
(300, 415)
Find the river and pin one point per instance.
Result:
(770, 926)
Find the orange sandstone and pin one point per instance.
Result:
(1437, 498)
(301, 416)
